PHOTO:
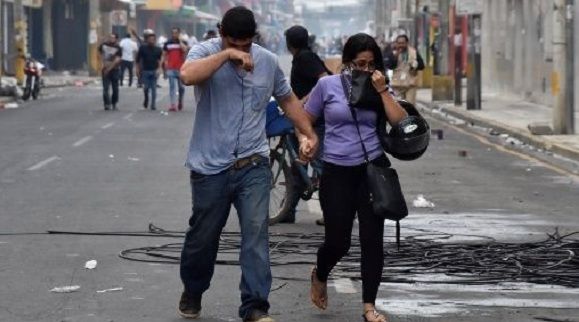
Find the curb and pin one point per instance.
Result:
(523, 136)
(69, 84)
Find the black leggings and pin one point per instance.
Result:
(343, 193)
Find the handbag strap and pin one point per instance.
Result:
(354, 116)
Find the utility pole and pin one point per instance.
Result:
(444, 8)
(20, 40)
(473, 90)
(570, 71)
(1, 42)
(559, 79)
(93, 38)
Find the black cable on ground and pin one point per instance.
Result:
(551, 261)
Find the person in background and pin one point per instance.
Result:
(408, 63)
(174, 56)
(229, 159)
(307, 69)
(130, 48)
(111, 54)
(149, 58)
(210, 34)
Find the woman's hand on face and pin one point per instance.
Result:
(379, 81)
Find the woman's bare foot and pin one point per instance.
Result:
(318, 291)
(371, 315)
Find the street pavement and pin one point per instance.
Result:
(67, 165)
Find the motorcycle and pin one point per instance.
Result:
(33, 72)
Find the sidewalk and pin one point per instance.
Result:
(51, 80)
(510, 116)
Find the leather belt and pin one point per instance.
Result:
(242, 163)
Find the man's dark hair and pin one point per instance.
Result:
(403, 36)
(238, 23)
(128, 35)
(359, 43)
(297, 37)
(115, 35)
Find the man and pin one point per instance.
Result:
(229, 159)
(307, 68)
(148, 68)
(129, 47)
(210, 34)
(408, 63)
(111, 54)
(174, 52)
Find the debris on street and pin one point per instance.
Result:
(91, 264)
(421, 202)
(116, 289)
(65, 289)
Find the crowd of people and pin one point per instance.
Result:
(147, 57)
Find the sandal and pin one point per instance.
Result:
(320, 301)
(377, 317)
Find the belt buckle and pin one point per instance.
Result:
(243, 162)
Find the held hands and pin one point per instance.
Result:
(241, 59)
(379, 81)
(308, 148)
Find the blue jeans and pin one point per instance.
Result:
(111, 80)
(175, 81)
(150, 84)
(248, 190)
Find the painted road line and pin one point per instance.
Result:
(128, 116)
(344, 286)
(106, 126)
(43, 163)
(82, 141)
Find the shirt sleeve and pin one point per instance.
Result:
(198, 51)
(311, 66)
(119, 51)
(315, 103)
(281, 87)
(165, 47)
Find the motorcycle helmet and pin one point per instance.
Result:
(408, 139)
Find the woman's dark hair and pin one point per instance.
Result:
(359, 43)
(238, 23)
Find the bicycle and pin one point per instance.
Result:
(283, 156)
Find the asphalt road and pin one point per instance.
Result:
(67, 165)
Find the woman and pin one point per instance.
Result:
(343, 191)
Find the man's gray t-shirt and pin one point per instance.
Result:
(231, 105)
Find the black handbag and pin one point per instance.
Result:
(383, 185)
(361, 93)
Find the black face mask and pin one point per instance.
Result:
(362, 92)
